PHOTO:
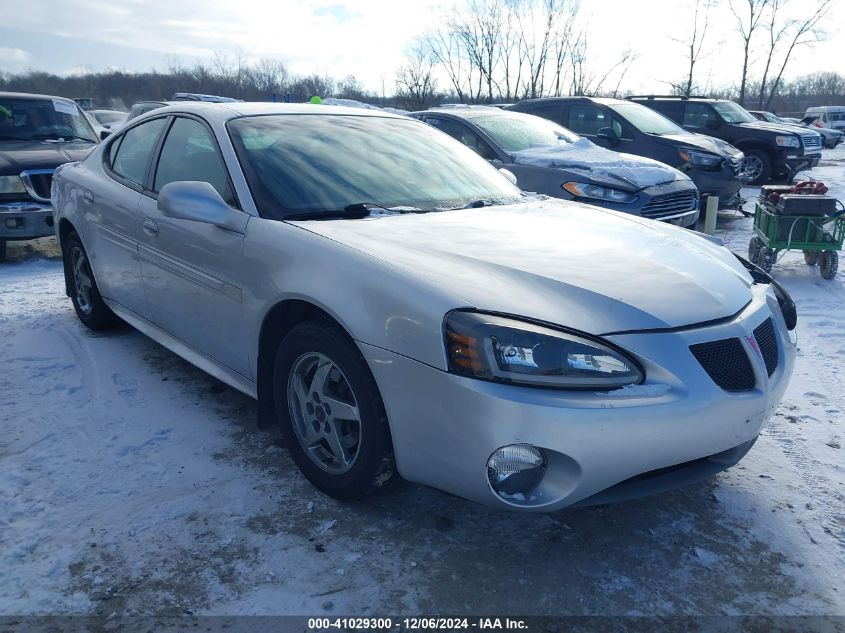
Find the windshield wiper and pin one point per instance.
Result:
(349, 212)
(61, 137)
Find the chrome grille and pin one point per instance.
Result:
(670, 204)
(767, 341)
(726, 363)
(812, 142)
(38, 183)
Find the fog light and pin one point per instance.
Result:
(516, 469)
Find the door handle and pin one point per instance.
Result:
(150, 227)
(88, 197)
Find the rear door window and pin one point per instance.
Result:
(551, 112)
(136, 147)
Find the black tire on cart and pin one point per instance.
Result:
(811, 257)
(766, 258)
(754, 246)
(828, 264)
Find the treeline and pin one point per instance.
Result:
(261, 81)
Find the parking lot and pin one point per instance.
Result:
(133, 483)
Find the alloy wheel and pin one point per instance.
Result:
(753, 168)
(82, 279)
(324, 412)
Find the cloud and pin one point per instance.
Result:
(14, 56)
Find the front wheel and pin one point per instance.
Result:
(331, 412)
(754, 246)
(811, 258)
(758, 167)
(87, 301)
(766, 258)
(828, 264)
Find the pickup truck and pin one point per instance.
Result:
(37, 134)
(772, 151)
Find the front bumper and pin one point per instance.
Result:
(25, 220)
(724, 184)
(445, 427)
(799, 163)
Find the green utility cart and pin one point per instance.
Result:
(791, 218)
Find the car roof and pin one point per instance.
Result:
(468, 112)
(226, 111)
(27, 95)
(603, 100)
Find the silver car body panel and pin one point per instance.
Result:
(388, 281)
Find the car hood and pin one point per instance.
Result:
(702, 141)
(563, 262)
(16, 157)
(780, 128)
(598, 164)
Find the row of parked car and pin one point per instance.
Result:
(657, 156)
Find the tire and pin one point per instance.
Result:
(828, 264)
(318, 372)
(811, 258)
(758, 166)
(754, 246)
(2, 251)
(765, 258)
(84, 293)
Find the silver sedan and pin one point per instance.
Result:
(398, 307)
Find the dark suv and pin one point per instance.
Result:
(37, 134)
(713, 165)
(772, 151)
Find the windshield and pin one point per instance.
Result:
(43, 119)
(646, 120)
(733, 113)
(297, 164)
(516, 132)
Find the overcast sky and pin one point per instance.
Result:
(364, 38)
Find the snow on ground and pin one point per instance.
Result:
(132, 483)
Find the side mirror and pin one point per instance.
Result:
(199, 202)
(712, 124)
(507, 173)
(104, 134)
(608, 134)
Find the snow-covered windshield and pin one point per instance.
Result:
(24, 119)
(515, 132)
(303, 163)
(646, 120)
(733, 113)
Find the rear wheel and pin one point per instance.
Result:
(828, 264)
(87, 301)
(758, 167)
(331, 412)
(811, 257)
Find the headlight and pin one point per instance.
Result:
(505, 349)
(788, 141)
(11, 184)
(584, 190)
(704, 160)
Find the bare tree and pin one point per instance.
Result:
(786, 35)
(694, 44)
(415, 78)
(748, 20)
(270, 76)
